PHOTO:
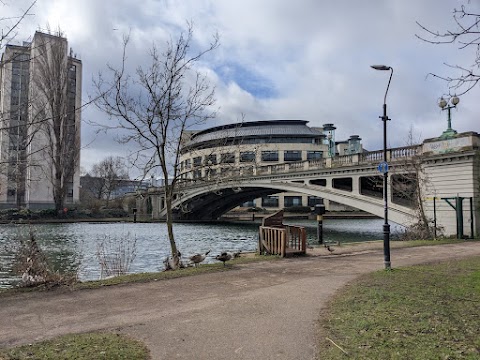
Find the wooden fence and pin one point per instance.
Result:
(275, 238)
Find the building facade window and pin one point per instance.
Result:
(269, 156)
(290, 201)
(314, 200)
(197, 161)
(292, 155)
(197, 174)
(70, 190)
(210, 173)
(270, 201)
(227, 158)
(250, 203)
(247, 156)
(211, 159)
(314, 155)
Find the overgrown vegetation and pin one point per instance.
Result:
(116, 256)
(50, 214)
(106, 346)
(420, 312)
(411, 189)
(31, 264)
(298, 209)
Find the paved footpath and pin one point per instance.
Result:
(265, 310)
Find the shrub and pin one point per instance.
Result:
(30, 262)
(116, 256)
(420, 232)
(47, 213)
(114, 213)
(255, 209)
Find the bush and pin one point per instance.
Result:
(30, 262)
(116, 256)
(47, 213)
(420, 232)
(27, 214)
(255, 209)
(114, 213)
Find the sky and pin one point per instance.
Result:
(278, 59)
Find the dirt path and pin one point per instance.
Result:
(264, 310)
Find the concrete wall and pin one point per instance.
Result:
(452, 169)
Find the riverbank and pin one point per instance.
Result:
(231, 216)
(244, 313)
(72, 247)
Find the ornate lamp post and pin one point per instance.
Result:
(384, 168)
(444, 105)
(330, 130)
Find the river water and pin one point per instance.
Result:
(74, 247)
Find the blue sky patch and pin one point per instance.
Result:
(247, 79)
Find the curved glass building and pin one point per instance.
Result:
(211, 152)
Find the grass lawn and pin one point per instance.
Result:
(105, 346)
(420, 312)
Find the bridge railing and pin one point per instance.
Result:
(405, 152)
(370, 157)
(345, 160)
(393, 155)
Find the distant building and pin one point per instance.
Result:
(215, 151)
(25, 171)
(95, 188)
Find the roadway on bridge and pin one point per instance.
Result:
(265, 310)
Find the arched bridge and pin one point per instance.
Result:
(440, 173)
(351, 180)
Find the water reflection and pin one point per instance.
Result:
(73, 247)
(347, 230)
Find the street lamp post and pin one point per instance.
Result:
(386, 226)
(443, 104)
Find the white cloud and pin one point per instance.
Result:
(281, 59)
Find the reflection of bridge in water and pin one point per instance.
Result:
(435, 169)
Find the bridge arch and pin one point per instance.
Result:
(210, 201)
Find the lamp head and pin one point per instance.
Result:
(455, 100)
(442, 103)
(380, 67)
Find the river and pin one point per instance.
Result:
(74, 246)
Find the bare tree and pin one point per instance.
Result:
(409, 188)
(466, 34)
(9, 25)
(111, 172)
(172, 97)
(55, 112)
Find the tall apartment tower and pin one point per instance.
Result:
(39, 81)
